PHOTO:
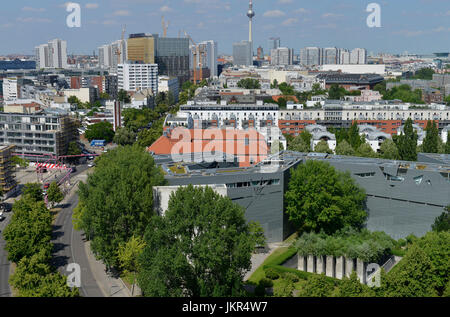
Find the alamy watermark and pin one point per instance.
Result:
(74, 18)
(74, 278)
(374, 18)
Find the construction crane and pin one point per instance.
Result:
(164, 26)
(119, 49)
(198, 51)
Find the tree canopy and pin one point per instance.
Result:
(208, 242)
(406, 142)
(124, 136)
(431, 141)
(100, 131)
(117, 199)
(319, 197)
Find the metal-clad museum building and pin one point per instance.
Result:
(402, 197)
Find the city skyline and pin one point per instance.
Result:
(419, 28)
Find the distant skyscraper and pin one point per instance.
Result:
(310, 56)
(57, 50)
(141, 48)
(242, 53)
(210, 59)
(282, 56)
(330, 56)
(274, 43)
(260, 53)
(358, 56)
(51, 55)
(344, 57)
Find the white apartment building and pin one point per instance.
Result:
(109, 57)
(210, 60)
(166, 84)
(133, 77)
(358, 56)
(282, 56)
(10, 89)
(42, 56)
(51, 55)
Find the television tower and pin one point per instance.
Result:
(250, 14)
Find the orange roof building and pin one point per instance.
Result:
(248, 146)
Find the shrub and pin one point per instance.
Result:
(283, 289)
(291, 277)
(272, 274)
(265, 282)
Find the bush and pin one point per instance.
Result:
(272, 274)
(265, 282)
(283, 289)
(291, 277)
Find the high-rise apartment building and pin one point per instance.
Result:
(111, 55)
(133, 77)
(7, 179)
(242, 53)
(51, 55)
(282, 56)
(310, 56)
(358, 56)
(57, 50)
(344, 57)
(331, 56)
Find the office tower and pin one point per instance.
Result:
(41, 56)
(274, 43)
(57, 50)
(172, 57)
(310, 56)
(358, 56)
(133, 77)
(282, 56)
(210, 59)
(242, 53)
(330, 56)
(140, 48)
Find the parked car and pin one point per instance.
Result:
(46, 185)
(91, 165)
(74, 169)
(2, 218)
(5, 207)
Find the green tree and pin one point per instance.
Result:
(353, 136)
(123, 96)
(322, 147)
(208, 242)
(406, 142)
(74, 100)
(105, 96)
(100, 131)
(17, 160)
(404, 93)
(117, 199)
(54, 193)
(365, 150)
(431, 141)
(447, 147)
(298, 144)
(124, 136)
(335, 92)
(286, 89)
(29, 230)
(249, 83)
(73, 148)
(319, 197)
(284, 288)
(344, 148)
(424, 73)
(442, 223)
(33, 191)
(128, 255)
(33, 277)
(274, 85)
(389, 150)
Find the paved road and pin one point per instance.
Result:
(5, 290)
(69, 248)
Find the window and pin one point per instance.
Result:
(418, 179)
(364, 175)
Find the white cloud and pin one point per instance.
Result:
(122, 13)
(274, 14)
(289, 21)
(165, 9)
(91, 5)
(33, 20)
(30, 9)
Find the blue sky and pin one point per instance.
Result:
(419, 26)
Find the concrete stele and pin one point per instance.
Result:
(349, 267)
(361, 271)
(340, 267)
(302, 263)
(320, 264)
(311, 264)
(330, 266)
